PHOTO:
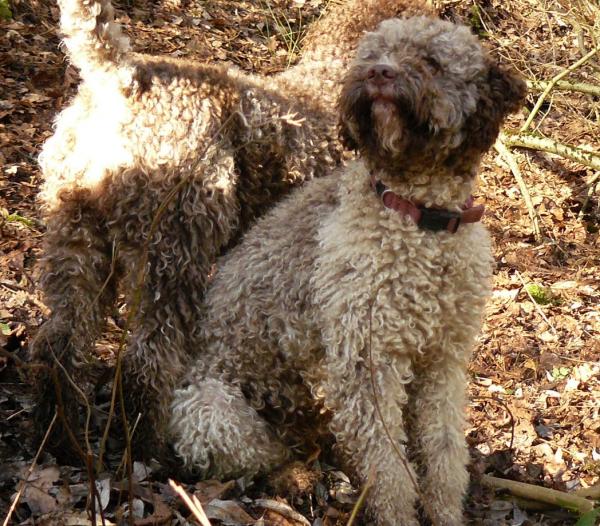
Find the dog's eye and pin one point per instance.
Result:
(434, 64)
(368, 55)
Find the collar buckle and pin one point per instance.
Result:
(437, 219)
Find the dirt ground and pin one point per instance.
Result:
(535, 375)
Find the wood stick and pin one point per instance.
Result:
(539, 493)
(593, 492)
(552, 83)
(514, 168)
(283, 509)
(192, 503)
(361, 498)
(563, 85)
(29, 472)
(532, 142)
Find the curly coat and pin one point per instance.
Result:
(332, 296)
(162, 163)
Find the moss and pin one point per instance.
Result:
(5, 11)
(475, 21)
(541, 295)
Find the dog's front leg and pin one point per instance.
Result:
(217, 433)
(369, 428)
(439, 420)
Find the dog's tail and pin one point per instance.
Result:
(93, 39)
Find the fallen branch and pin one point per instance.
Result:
(283, 509)
(563, 85)
(361, 498)
(539, 493)
(528, 504)
(593, 186)
(532, 142)
(514, 168)
(593, 492)
(29, 472)
(192, 503)
(553, 82)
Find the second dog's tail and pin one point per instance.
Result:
(93, 39)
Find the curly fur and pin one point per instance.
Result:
(230, 143)
(331, 287)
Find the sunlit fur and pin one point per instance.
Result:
(137, 128)
(331, 288)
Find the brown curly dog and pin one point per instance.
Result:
(155, 167)
(361, 295)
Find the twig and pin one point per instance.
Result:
(551, 84)
(282, 509)
(124, 456)
(61, 414)
(529, 504)
(563, 85)
(539, 493)
(89, 464)
(12, 356)
(514, 168)
(128, 463)
(361, 498)
(87, 456)
(94, 496)
(192, 503)
(506, 408)
(79, 392)
(593, 492)
(532, 142)
(591, 191)
(29, 471)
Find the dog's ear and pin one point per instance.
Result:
(501, 93)
(506, 87)
(346, 137)
(347, 125)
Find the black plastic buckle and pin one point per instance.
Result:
(437, 219)
(380, 188)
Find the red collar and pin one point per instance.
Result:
(434, 219)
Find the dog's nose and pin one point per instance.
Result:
(381, 74)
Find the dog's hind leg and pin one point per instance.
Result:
(78, 285)
(181, 251)
(218, 434)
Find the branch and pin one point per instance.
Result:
(551, 84)
(29, 472)
(581, 87)
(539, 493)
(514, 168)
(361, 498)
(282, 509)
(593, 492)
(585, 157)
(192, 503)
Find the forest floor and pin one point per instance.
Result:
(535, 375)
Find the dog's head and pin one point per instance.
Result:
(423, 91)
